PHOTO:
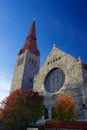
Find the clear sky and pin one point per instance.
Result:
(63, 22)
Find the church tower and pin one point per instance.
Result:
(27, 64)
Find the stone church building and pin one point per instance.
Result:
(60, 74)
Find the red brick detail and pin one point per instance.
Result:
(66, 124)
(30, 43)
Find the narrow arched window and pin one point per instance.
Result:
(35, 62)
(32, 61)
(29, 59)
(46, 116)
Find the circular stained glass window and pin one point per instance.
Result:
(54, 80)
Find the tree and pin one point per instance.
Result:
(65, 109)
(22, 107)
(1, 115)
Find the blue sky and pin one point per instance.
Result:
(63, 22)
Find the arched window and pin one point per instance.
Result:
(32, 61)
(29, 59)
(46, 115)
(20, 61)
(35, 62)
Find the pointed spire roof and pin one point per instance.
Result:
(32, 30)
(30, 43)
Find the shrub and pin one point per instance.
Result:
(65, 109)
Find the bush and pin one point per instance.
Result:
(65, 109)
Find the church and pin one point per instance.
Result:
(60, 74)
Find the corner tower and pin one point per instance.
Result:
(27, 64)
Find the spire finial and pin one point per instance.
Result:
(54, 45)
(34, 19)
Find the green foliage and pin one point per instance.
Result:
(22, 107)
(65, 109)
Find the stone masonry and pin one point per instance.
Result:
(28, 76)
(73, 84)
(26, 67)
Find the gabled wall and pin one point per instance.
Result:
(73, 78)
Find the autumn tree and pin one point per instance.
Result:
(1, 115)
(65, 109)
(21, 108)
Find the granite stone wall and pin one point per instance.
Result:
(18, 72)
(73, 79)
(27, 66)
(30, 70)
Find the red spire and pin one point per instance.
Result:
(30, 43)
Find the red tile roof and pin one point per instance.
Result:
(30, 43)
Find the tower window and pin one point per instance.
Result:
(29, 59)
(32, 61)
(35, 62)
(20, 61)
(31, 80)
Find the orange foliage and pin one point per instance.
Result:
(11, 101)
(22, 106)
(66, 102)
(65, 108)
